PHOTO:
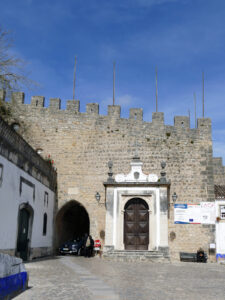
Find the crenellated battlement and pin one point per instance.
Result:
(73, 105)
(136, 114)
(38, 101)
(55, 103)
(17, 98)
(181, 123)
(82, 143)
(114, 111)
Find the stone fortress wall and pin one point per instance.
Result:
(219, 171)
(81, 145)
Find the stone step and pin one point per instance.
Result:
(131, 252)
(134, 255)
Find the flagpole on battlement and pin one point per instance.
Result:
(195, 109)
(74, 77)
(203, 96)
(156, 88)
(114, 66)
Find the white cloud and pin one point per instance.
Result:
(126, 100)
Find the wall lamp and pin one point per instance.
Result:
(97, 196)
(174, 197)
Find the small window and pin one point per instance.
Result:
(1, 174)
(45, 224)
(222, 212)
(46, 199)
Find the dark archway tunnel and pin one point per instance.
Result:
(72, 221)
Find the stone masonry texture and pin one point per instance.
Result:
(219, 171)
(81, 144)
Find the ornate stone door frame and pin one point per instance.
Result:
(116, 199)
(136, 184)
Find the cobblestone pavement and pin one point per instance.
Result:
(79, 278)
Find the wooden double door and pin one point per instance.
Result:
(22, 241)
(136, 225)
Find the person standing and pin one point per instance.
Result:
(89, 246)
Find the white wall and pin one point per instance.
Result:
(220, 230)
(10, 200)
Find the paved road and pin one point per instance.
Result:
(79, 278)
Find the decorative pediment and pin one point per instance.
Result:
(136, 174)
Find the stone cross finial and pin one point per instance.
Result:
(110, 173)
(163, 173)
(136, 145)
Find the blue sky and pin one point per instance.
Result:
(180, 37)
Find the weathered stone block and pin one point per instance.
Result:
(92, 108)
(181, 122)
(17, 98)
(73, 105)
(136, 114)
(158, 118)
(38, 101)
(55, 103)
(114, 111)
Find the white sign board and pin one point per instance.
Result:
(187, 214)
(208, 212)
(203, 213)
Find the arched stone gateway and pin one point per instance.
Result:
(72, 221)
(136, 225)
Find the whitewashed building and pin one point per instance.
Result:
(220, 222)
(27, 198)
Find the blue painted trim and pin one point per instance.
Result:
(12, 283)
(179, 222)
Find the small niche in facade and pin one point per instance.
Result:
(39, 150)
(15, 126)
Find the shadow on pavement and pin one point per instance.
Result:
(42, 259)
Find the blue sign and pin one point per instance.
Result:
(183, 206)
